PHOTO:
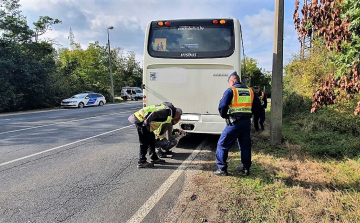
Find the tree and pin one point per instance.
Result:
(26, 68)
(252, 75)
(43, 25)
(336, 23)
(89, 69)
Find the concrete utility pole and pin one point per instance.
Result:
(277, 76)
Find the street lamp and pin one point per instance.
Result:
(110, 68)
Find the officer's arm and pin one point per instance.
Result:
(157, 115)
(225, 102)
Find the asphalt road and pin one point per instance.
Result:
(79, 165)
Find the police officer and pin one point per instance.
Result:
(147, 120)
(165, 137)
(237, 106)
(261, 113)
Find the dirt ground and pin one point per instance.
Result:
(204, 194)
(201, 192)
(195, 203)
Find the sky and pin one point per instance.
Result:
(89, 20)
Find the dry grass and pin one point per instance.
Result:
(285, 185)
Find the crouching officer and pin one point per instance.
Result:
(237, 105)
(147, 120)
(165, 137)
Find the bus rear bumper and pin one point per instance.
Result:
(208, 124)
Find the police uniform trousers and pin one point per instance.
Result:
(147, 144)
(260, 115)
(165, 144)
(238, 130)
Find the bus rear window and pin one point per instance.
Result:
(191, 41)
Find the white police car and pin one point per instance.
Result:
(84, 99)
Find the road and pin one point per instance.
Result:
(79, 165)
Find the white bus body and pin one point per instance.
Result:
(188, 66)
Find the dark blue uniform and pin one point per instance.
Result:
(260, 115)
(239, 129)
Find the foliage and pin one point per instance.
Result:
(89, 69)
(336, 23)
(303, 75)
(325, 135)
(129, 71)
(43, 25)
(27, 67)
(252, 75)
(34, 75)
(12, 23)
(294, 104)
(297, 181)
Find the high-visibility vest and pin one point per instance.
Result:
(158, 131)
(241, 101)
(142, 114)
(262, 98)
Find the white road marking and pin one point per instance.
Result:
(75, 120)
(55, 109)
(45, 151)
(151, 202)
(29, 112)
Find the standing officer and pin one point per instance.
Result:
(147, 120)
(237, 106)
(261, 113)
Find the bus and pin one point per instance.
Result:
(187, 62)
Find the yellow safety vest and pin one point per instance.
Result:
(142, 114)
(158, 131)
(262, 98)
(241, 101)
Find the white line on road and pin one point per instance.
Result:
(151, 202)
(57, 109)
(45, 151)
(75, 120)
(29, 112)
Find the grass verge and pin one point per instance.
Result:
(305, 179)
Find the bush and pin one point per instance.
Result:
(294, 104)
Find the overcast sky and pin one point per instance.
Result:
(89, 20)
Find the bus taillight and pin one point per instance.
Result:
(215, 21)
(167, 23)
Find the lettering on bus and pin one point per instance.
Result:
(220, 75)
(188, 55)
(191, 28)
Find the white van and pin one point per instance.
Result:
(132, 93)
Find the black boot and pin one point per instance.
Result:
(160, 154)
(243, 170)
(221, 172)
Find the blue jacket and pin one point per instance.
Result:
(226, 101)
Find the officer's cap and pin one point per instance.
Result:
(232, 74)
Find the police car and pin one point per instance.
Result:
(84, 99)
